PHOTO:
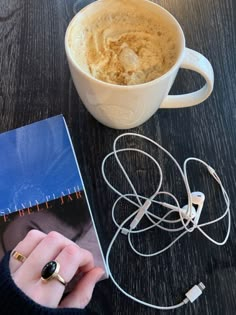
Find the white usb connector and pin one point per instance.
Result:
(194, 293)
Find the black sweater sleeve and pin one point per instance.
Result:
(13, 301)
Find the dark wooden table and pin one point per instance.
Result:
(35, 84)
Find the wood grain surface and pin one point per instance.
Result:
(35, 83)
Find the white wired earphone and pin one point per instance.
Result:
(188, 215)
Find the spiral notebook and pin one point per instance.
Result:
(41, 187)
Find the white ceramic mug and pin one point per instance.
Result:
(124, 107)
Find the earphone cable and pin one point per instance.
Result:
(188, 224)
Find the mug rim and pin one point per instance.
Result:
(119, 86)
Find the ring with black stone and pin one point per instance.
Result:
(51, 271)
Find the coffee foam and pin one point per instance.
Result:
(123, 43)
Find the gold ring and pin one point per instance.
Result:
(18, 256)
(51, 271)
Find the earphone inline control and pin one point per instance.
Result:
(188, 219)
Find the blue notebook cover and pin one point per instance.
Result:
(41, 187)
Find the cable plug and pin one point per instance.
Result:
(194, 293)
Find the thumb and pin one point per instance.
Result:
(82, 292)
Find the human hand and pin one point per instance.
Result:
(39, 249)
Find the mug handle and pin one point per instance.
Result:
(198, 63)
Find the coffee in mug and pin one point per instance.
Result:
(124, 56)
(123, 45)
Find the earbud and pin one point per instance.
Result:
(186, 213)
(183, 210)
(198, 199)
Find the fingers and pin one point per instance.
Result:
(25, 247)
(45, 251)
(40, 249)
(82, 293)
(71, 258)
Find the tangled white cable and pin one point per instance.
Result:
(188, 215)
